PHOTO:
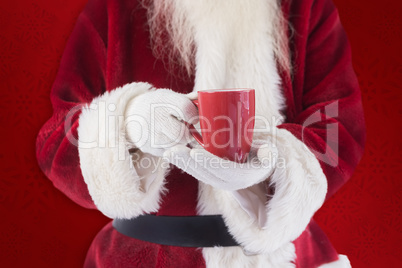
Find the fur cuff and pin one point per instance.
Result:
(118, 188)
(300, 188)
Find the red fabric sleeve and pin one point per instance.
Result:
(80, 78)
(329, 116)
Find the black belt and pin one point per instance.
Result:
(191, 231)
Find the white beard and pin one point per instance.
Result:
(174, 25)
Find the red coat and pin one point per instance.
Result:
(109, 48)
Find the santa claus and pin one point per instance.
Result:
(170, 209)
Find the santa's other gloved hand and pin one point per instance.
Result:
(224, 174)
(154, 120)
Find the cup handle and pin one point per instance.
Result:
(197, 136)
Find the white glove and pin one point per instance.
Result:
(154, 120)
(224, 174)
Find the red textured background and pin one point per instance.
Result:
(40, 227)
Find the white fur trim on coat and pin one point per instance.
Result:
(343, 262)
(237, 52)
(234, 257)
(117, 186)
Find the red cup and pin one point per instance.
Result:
(227, 122)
